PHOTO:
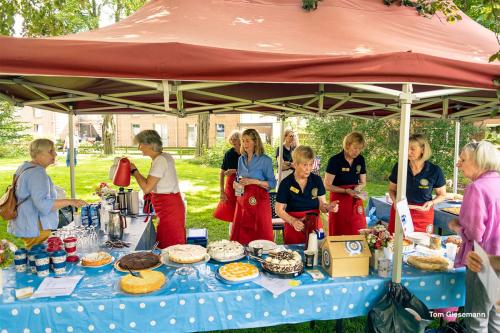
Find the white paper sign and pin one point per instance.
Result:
(405, 217)
(487, 275)
(62, 286)
(276, 286)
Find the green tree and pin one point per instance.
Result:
(12, 139)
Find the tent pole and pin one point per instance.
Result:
(404, 135)
(71, 153)
(455, 158)
(280, 147)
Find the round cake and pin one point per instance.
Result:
(96, 259)
(223, 250)
(238, 271)
(138, 261)
(186, 253)
(283, 262)
(148, 282)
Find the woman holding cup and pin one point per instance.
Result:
(479, 221)
(300, 194)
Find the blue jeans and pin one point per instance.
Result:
(67, 156)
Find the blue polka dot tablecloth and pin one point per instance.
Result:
(200, 302)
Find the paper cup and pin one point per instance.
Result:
(451, 251)
(21, 254)
(21, 268)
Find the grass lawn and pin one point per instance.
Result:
(200, 185)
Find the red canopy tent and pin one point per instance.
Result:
(185, 57)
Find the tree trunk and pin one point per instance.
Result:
(108, 134)
(202, 137)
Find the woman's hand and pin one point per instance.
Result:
(426, 206)
(455, 226)
(358, 188)
(132, 166)
(249, 181)
(351, 192)
(297, 224)
(229, 172)
(223, 196)
(474, 262)
(77, 203)
(329, 207)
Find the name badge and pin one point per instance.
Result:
(345, 169)
(294, 190)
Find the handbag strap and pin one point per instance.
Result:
(14, 185)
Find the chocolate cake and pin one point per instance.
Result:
(283, 262)
(139, 260)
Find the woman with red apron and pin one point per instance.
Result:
(345, 178)
(227, 204)
(300, 198)
(422, 178)
(163, 185)
(255, 176)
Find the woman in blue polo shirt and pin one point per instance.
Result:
(289, 144)
(255, 176)
(345, 178)
(300, 194)
(227, 204)
(423, 178)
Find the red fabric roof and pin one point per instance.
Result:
(267, 41)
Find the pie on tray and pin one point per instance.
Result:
(225, 250)
(139, 260)
(186, 253)
(238, 271)
(432, 263)
(150, 281)
(452, 210)
(96, 259)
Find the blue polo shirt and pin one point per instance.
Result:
(260, 167)
(289, 193)
(419, 187)
(345, 173)
(230, 160)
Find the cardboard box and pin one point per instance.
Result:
(345, 256)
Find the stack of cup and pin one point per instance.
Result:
(31, 257)
(70, 247)
(59, 262)
(42, 264)
(54, 244)
(21, 260)
(38, 247)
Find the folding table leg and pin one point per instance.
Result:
(339, 326)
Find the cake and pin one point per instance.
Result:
(138, 261)
(433, 263)
(283, 262)
(96, 259)
(148, 282)
(452, 210)
(238, 271)
(454, 239)
(225, 250)
(186, 253)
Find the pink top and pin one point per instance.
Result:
(480, 216)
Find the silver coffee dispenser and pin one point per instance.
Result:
(116, 225)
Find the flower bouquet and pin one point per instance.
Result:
(379, 241)
(103, 190)
(6, 253)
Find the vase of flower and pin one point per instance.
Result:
(378, 238)
(376, 255)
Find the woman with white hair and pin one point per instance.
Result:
(479, 221)
(423, 177)
(227, 204)
(163, 186)
(37, 210)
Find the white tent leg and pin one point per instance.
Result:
(71, 155)
(280, 151)
(455, 158)
(404, 135)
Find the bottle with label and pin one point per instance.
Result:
(238, 188)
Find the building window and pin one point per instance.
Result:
(163, 131)
(38, 129)
(219, 132)
(191, 135)
(136, 128)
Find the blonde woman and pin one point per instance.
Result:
(37, 212)
(300, 194)
(290, 141)
(255, 176)
(227, 204)
(345, 178)
(423, 178)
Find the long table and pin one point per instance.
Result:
(200, 302)
(441, 218)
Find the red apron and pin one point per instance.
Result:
(169, 208)
(292, 236)
(252, 218)
(225, 209)
(422, 221)
(350, 216)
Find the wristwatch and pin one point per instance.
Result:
(132, 171)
